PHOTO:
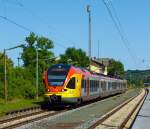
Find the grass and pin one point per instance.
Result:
(18, 104)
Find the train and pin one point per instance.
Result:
(73, 85)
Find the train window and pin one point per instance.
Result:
(103, 85)
(94, 86)
(90, 82)
(83, 83)
(109, 85)
(113, 85)
(85, 86)
(91, 85)
(71, 83)
(57, 75)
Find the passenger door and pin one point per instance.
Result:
(78, 84)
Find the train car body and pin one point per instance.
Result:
(70, 84)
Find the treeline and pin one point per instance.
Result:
(21, 80)
(137, 78)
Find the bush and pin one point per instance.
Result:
(20, 84)
(1, 90)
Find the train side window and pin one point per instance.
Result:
(109, 85)
(82, 83)
(94, 86)
(91, 86)
(71, 83)
(103, 85)
(85, 82)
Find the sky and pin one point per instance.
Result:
(66, 23)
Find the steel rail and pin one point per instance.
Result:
(43, 116)
(16, 114)
(40, 112)
(32, 120)
(106, 116)
(134, 109)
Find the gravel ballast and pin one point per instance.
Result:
(83, 117)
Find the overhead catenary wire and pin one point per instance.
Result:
(122, 29)
(15, 23)
(118, 26)
(25, 28)
(42, 19)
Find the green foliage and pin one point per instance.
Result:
(75, 57)
(1, 89)
(17, 104)
(9, 66)
(137, 77)
(116, 68)
(43, 45)
(21, 80)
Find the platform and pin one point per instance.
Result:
(142, 120)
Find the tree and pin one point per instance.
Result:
(116, 68)
(21, 84)
(75, 57)
(43, 45)
(21, 80)
(9, 66)
(137, 77)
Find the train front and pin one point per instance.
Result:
(62, 84)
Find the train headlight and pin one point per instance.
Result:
(48, 90)
(64, 90)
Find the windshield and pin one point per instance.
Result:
(57, 75)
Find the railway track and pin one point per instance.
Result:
(39, 114)
(17, 118)
(26, 118)
(122, 116)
